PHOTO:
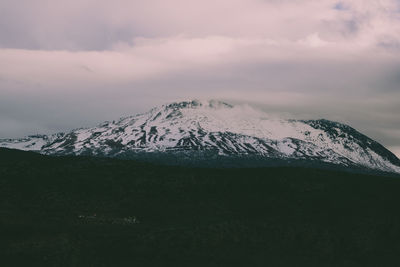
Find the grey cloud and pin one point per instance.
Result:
(340, 6)
(98, 25)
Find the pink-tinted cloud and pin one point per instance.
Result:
(81, 62)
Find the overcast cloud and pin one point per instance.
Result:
(67, 64)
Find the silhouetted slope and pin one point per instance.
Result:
(77, 211)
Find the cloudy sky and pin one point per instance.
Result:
(66, 64)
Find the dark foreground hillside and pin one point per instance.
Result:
(73, 211)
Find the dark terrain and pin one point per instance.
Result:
(82, 211)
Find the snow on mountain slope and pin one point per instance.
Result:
(33, 142)
(220, 128)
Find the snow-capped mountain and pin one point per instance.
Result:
(216, 129)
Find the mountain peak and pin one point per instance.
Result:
(201, 130)
(196, 103)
